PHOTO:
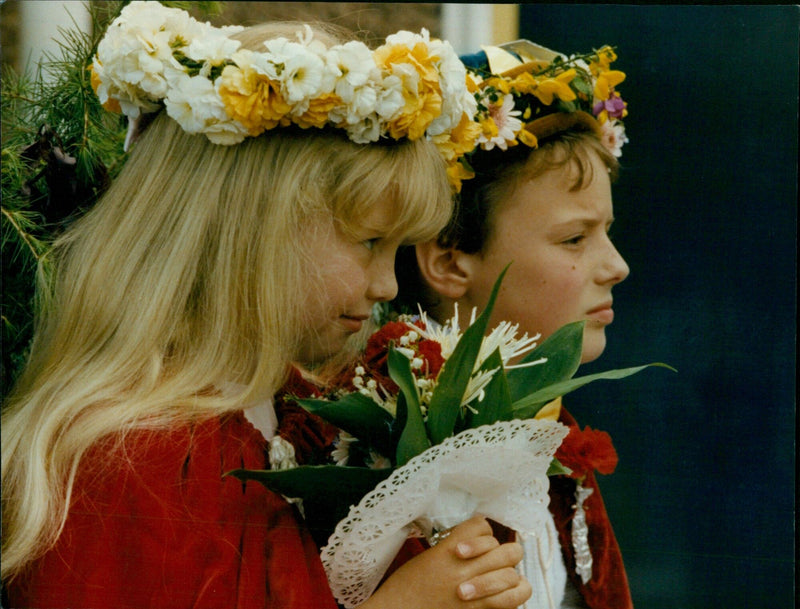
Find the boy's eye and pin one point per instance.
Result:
(574, 240)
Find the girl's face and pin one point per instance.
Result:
(355, 270)
(563, 262)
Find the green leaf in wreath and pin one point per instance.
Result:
(358, 415)
(452, 383)
(527, 407)
(413, 439)
(562, 349)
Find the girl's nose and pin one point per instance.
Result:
(383, 283)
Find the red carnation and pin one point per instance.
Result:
(377, 348)
(587, 450)
(432, 352)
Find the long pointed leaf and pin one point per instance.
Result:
(327, 491)
(562, 349)
(413, 439)
(358, 415)
(527, 407)
(452, 382)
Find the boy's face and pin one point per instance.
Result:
(563, 262)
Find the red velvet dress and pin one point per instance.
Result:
(608, 586)
(156, 525)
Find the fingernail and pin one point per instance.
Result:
(466, 591)
(463, 549)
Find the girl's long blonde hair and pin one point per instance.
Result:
(188, 276)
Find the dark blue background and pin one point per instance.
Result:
(703, 498)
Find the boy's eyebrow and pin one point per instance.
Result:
(587, 221)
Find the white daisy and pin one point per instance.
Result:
(613, 136)
(504, 117)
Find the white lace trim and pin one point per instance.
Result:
(499, 471)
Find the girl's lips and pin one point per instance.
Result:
(352, 324)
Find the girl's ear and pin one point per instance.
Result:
(445, 270)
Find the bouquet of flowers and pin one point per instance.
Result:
(436, 426)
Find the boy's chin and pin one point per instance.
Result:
(594, 343)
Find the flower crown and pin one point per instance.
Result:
(526, 93)
(153, 57)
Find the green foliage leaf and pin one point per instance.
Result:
(582, 86)
(358, 415)
(496, 403)
(327, 491)
(556, 468)
(528, 406)
(562, 349)
(413, 439)
(454, 376)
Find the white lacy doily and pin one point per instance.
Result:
(499, 471)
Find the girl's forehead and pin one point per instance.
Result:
(383, 214)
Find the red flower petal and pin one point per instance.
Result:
(587, 450)
(431, 351)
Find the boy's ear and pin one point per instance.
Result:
(445, 270)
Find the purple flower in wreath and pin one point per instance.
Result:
(614, 106)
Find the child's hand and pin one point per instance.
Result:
(467, 569)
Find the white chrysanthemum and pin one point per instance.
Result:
(281, 454)
(366, 130)
(227, 133)
(131, 98)
(341, 451)
(135, 56)
(504, 337)
(390, 98)
(212, 49)
(504, 117)
(613, 136)
(476, 386)
(456, 98)
(360, 106)
(260, 63)
(355, 69)
(299, 70)
(193, 102)
(408, 39)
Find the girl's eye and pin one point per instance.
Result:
(370, 243)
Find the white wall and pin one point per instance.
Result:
(39, 22)
(468, 26)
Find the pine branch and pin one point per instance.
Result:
(60, 150)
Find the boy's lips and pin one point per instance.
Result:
(602, 313)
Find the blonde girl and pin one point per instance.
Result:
(178, 304)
